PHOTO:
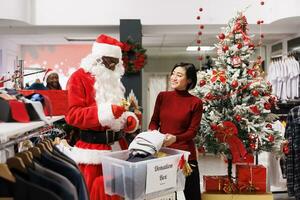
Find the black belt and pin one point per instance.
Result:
(100, 137)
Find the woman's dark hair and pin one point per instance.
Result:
(191, 73)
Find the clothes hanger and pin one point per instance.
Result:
(16, 163)
(42, 147)
(48, 144)
(36, 152)
(6, 174)
(27, 160)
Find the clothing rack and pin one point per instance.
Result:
(39, 132)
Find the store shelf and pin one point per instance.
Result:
(10, 130)
(265, 196)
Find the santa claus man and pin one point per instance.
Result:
(95, 92)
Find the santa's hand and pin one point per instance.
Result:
(169, 140)
(132, 122)
(117, 110)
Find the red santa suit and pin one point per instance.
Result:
(94, 93)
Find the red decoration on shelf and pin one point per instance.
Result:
(200, 33)
(198, 17)
(198, 41)
(200, 9)
(262, 3)
(258, 22)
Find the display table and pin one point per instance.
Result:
(209, 196)
(10, 130)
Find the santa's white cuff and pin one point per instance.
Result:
(107, 118)
(83, 156)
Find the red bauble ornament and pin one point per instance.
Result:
(199, 48)
(269, 126)
(199, 33)
(200, 9)
(255, 93)
(239, 46)
(238, 118)
(271, 100)
(209, 96)
(251, 46)
(200, 58)
(271, 138)
(252, 146)
(198, 17)
(267, 106)
(234, 84)
(255, 110)
(198, 41)
(252, 137)
(258, 22)
(261, 21)
(262, 35)
(201, 26)
(225, 48)
(285, 149)
(202, 83)
(262, 3)
(221, 36)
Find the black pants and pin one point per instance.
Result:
(192, 183)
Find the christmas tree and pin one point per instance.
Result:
(237, 101)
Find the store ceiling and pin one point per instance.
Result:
(166, 37)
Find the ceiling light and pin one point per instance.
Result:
(202, 48)
(80, 39)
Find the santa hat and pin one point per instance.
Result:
(48, 73)
(107, 46)
(147, 142)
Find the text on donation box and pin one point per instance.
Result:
(161, 175)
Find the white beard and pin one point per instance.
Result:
(108, 85)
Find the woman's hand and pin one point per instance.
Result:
(169, 139)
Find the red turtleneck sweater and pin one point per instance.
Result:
(178, 113)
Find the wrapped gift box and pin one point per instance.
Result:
(58, 100)
(251, 177)
(214, 183)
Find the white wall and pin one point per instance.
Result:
(155, 12)
(19, 10)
